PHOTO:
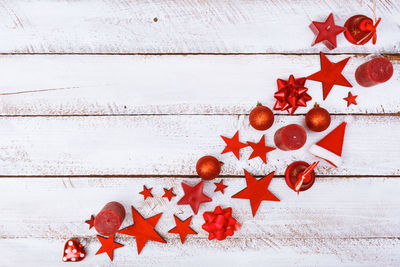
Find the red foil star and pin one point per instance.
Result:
(108, 245)
(143, 229)
(351, 99)
(330, 74)
(182, 228)
(194, 196)
(220, 187)
(233, 144)
(90, 222)
(291, 94)
(326, 32)
(256, 191)
(260, 149)
(220, 223)
(146, 192)
(168, 193)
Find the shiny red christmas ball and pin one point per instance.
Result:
(318, 119)
(208, 167)
(261, 118)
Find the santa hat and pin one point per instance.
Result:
(329, 148)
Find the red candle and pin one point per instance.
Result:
(293, 174)
(290, 137)
(375, 71)
(109, 219)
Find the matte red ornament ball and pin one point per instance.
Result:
(318, 119)
(261, 118)
(208, 167)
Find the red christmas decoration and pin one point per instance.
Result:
(168, 193)
(146, 192)
(330, 74)
(233, 145)
(194, 196)
(208, 167)
(326, 32)
(73, 251)
(351, 99)
(220, 223)
(90, 222)
(360, 29)
(256, 191)
(143, 229)
(182, 228)
(260, 149)
(291, 94)
(220, 187)
(318, 119)
(261, 118)
(108, 245)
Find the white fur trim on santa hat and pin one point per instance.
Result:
(325, 154)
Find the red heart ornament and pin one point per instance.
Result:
(73, 251)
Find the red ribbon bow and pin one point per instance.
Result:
(366, 25)
(220, 223)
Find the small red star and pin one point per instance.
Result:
(146, 192)
(233, 144)
(326, 32)
(90, 222)
(260, 149)
(256, 191)
(351, 99)
(108, 245)
(220, 187)
(182, 228)
(168, 193)
(194, 196)
(330, 74)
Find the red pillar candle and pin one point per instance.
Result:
(290, 137)
(109, 219)
(373, 72)
(293, 173)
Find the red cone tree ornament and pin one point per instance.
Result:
(318, 119)
(261, 118)
(208, 167)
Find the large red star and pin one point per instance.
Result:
(326, 32)
(233, 144)
(143, 229)
(168, 193)
(90, 222)
(108, 245)
(194, 196)
(256, 191)
(220, 186)
(330, 74)
(260, 149)
(182, 228)
(146, 192)
(351, 99)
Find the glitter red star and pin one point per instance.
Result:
(90, 222)
(326, 32)
(260, 149)
(108, 245)
(233, 144)
(146, 192)
(256, 191)
(143, 229)
(168, 193)
(182, 228)
(194, 196)
(220, 187)
(330, 74)
(351, 99)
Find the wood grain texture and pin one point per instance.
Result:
(109, 85)
(189, 26)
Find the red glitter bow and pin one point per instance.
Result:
(368, 26)
(291, 94)
(220, 223)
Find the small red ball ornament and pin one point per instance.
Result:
(208, 167)
(360, 29)
(261, 118)
(318, 119)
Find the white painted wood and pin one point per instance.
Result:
(65, 85)
(189, 26)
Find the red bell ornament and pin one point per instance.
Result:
(360, 29)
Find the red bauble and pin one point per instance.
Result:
(318, 119)
(261, 118)
(360, 29)
(208, 167)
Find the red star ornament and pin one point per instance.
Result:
(260, 149)
(182, 228)
(108, 245)
(220, 187)
(256, 191)
(330, 74)
(169, 194)
(143, 229)
(326, 32)
(351, 99)
(146, 192)
(90, 222)
(194, 196)
(233, 144)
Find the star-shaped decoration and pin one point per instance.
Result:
(256, 191)
(146, 192)
(168, 193)
(90, 222)
(194, 196)
(143, 229)
(220, 187)
(233, 144)
(351, 99)
(326, 32)
(260, 149)
(108, 245)
(330, 74)
(182, 228)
